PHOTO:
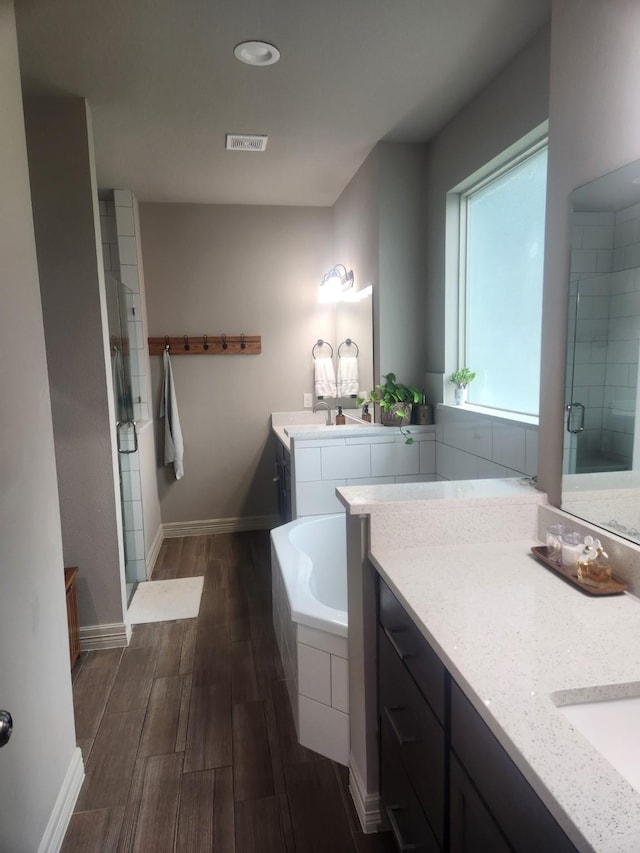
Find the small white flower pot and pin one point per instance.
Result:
(461, 396)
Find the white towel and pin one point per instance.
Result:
(325, 378)
(173, 444)
(348, 377)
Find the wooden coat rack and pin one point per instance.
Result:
(207, 345)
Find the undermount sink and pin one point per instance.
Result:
(611, 724)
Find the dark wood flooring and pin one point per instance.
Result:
(187, 735)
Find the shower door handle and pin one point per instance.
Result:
(579, 408)
(6, 727)
(127, 422)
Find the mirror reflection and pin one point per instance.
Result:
(354, 322)
(601, 451)
(343, 367)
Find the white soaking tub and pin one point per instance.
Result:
(309, 584)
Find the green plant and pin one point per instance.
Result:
(463, 377)
(389, 395)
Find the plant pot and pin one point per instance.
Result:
(461, 396)
(398, 415)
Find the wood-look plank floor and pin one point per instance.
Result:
(187, 735)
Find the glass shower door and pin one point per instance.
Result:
(119, 300)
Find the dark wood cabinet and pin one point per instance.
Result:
(283, 478)
(415, 735)
(522, 816)
(473, 828)
(446, 782)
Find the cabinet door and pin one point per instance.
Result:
(284, 489)
(522, 815)
(408, 823)
(413, 650)
(418, 736)
(472, 828)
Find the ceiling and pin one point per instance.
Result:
(164, 87)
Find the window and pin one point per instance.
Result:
(501, 264)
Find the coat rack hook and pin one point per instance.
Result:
(186, 343)
(205, 344)
(243, 345)
(167, 343)
(224, 342)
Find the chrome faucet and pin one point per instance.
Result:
(322, 405)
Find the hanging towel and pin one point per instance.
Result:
(348, 377)
(325, 378)
(173, 444)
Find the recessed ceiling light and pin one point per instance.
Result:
(256, 53)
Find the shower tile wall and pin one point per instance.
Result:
(605, 264)
(119, 250)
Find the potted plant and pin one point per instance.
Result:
(395, 401)
(461, 378)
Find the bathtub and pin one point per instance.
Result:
(309, 594)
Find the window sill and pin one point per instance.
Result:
(495, 414)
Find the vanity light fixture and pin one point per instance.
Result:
(259, 53)
(335, 284)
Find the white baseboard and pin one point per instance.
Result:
(152, 556)
(367, 804)
(64, 805)
(219, 525)
(114, 635)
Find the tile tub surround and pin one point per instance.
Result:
(512, 634)
(466, 443)
(473, 443)
(324, 458)
(316, 669)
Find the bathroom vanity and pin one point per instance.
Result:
(469, 649)
(445, 780)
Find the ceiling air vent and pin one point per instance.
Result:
(246, 142)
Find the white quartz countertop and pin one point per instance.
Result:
(369, 500)
(354, 427)
(512, 634)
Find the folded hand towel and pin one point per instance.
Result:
(173, 444)
(325, 378)
(348, 377)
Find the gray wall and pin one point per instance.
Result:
(35, 683)
(355, 243)
(379, 226)
(67, 231)
(400, 328)
(595, 68)
(230, 269)
(512, 105)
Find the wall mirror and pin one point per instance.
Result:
(354, 322)
(352, 338)
(601, 459)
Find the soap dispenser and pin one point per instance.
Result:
(340, 418)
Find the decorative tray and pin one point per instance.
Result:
(613, 586)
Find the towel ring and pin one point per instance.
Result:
(321, 343)
(186, 343)
(349, 343)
